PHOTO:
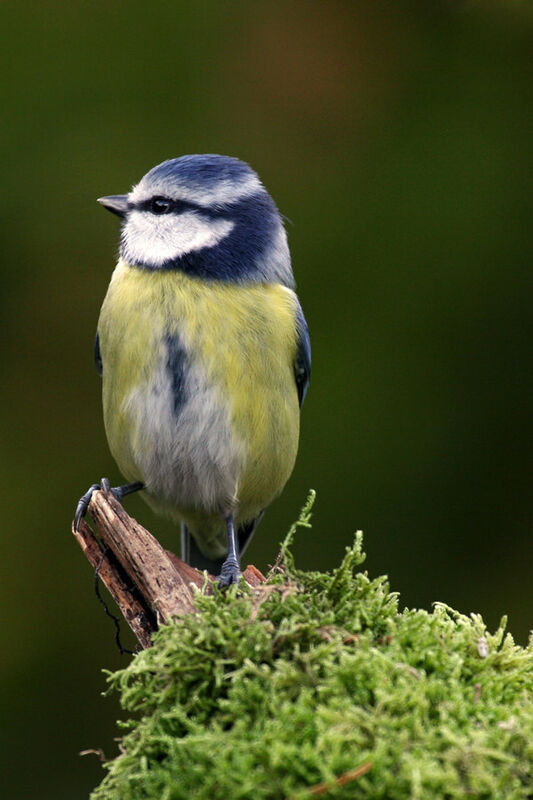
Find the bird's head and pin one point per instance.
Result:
(207, 215)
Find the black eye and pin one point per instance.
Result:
(160, 205)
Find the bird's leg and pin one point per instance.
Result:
(118, 493)
(231, 570)
(185, 544)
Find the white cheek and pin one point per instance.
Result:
(151, 239)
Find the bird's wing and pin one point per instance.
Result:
(302, 363)
(97, 355)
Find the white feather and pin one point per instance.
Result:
(151, 239)
(192, 460)
(224, 191)
(275, 262)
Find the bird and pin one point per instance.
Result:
(204, 353)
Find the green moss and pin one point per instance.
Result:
(264, 693)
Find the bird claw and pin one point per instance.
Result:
(118, 493)
(83, 505)
(229, 574)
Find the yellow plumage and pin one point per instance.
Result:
(241, 340)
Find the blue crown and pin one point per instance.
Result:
(202, 170)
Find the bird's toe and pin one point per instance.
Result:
(83, 505)
(229, 574)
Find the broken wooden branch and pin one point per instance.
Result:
(149, 584)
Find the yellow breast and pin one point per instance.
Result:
(242, 338)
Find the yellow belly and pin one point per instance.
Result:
(241, 340)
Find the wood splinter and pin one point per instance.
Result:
(149, 584)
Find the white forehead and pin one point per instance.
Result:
(222, 191)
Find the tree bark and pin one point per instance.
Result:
(149, 584)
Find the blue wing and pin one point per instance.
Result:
(302, 363)
(97, 355)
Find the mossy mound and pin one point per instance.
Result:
(267, 693)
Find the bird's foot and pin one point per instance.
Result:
(83, 505)
(118, 493)
(229, 574)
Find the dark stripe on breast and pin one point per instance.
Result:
(176, 365)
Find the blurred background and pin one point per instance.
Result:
(397, 139)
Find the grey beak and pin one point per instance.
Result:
(116, 203)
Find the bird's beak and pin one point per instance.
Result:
(116, 203)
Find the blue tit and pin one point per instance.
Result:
(204, 354)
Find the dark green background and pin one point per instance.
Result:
(397, 138)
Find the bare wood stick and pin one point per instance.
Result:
(341, 780)
(149, 584)
(140, 619)
(143, 559)
(253, 576)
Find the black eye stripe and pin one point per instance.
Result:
(174, 206)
